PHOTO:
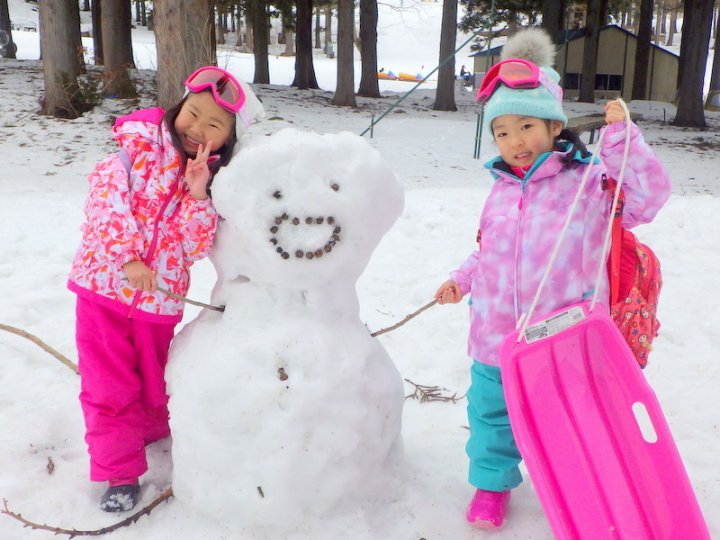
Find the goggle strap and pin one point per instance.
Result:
(551, 86)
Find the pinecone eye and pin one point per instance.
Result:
(277, 194)
(335, 186)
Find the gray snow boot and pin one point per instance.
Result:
(120, 498)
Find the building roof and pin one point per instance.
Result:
(565, 36)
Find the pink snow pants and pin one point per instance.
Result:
(122, 388)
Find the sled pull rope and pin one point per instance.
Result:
(526, 320)
(616, 197)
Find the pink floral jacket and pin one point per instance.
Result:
(521, 222)
(145, 215)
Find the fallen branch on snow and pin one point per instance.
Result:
(72, 533)
(40, 343)
(431, 393)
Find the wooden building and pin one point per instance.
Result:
(615, 65)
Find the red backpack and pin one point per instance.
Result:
(635, 283)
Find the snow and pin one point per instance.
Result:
(45, 165)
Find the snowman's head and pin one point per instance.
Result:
(300, 209)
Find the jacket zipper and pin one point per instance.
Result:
(153, 242)
(518, 243)
(517, 300)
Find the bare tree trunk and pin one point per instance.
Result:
(369, 86)
(712, 103)
(239, 25)
(9, 50)
(642, 53)
(115, 26)
(86, 5)
(589, 69)
(673, 26)
(184, 43)
(260, 39)
(250, 35)
(96, 15)
(289, 41)
(551, 18)
(345, 88)
(220, 28)
(604, 12)
(60, 38)
(696, 29)
(213, 33)
(661, 26)
(317, 29)
(328, 28)
(445, 93)
(288, 26)
(143, 13)
(304, 68)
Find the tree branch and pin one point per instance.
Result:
(406, 319)
(40, 343)
(72, 533)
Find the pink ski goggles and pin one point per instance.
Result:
(225, 88)
(518, 74)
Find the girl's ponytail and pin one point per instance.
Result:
(577, 145)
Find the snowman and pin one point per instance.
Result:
(283, 407)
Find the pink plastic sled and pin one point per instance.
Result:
(593, 436)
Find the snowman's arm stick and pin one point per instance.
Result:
(406, 319)
(188, 301)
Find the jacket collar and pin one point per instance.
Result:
(547, 164)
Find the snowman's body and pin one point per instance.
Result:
(299, 407)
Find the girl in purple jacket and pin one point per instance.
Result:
(536, 177)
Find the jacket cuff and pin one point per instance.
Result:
(615, 132)
(462, 280)
(127, 257)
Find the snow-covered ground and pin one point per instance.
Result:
(46, 161)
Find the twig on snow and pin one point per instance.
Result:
(72, 533)
(431, 393)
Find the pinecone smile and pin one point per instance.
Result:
(306, 231)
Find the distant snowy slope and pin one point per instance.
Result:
(23, 13)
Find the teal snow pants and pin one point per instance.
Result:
(494, 457)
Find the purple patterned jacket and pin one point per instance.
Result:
(522, 219)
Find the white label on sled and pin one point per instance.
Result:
(553, 325)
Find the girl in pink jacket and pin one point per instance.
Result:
(536, 178)
(148, 218)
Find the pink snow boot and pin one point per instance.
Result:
(487, 509)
